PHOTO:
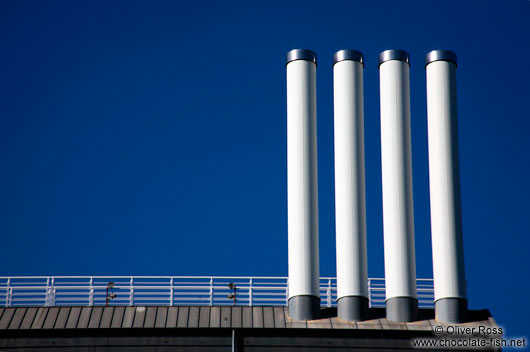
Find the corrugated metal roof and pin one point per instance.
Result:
(33, 318)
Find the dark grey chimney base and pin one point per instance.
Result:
(402, 309)
(450, 310)
(304, 307)
(352, 308)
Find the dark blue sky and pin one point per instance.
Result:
(150, 138)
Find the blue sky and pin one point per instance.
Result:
(150, 138)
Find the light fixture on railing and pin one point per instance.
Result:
(232, 295)
(110, 295)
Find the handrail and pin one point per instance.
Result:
(175, 291)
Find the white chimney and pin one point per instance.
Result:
(444, 177)
(398, 216)
(350, 201)
(302, 189)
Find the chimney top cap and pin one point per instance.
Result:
(352, 55)
(301, 54)
(440, 55)
(393, 54)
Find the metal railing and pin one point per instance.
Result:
(175, 291)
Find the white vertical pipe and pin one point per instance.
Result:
(302, 190)
(446, 218)
(398, 216)
(350, 200)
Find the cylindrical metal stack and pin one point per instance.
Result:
(302, 193)
(398, 215)
(444, 178)
(350, 197)
(350, 200)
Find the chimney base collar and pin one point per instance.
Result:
(304, 307)
(352, 308)
(402, 309)
(450, 310)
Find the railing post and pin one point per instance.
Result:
(369, 293)
(329, 292)
(131, 291)
(211, 291)
(171, 292)
(287, 292)
(250, 293)
(47, 299)
(9, 293)
(91, 292)
(52, 292)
